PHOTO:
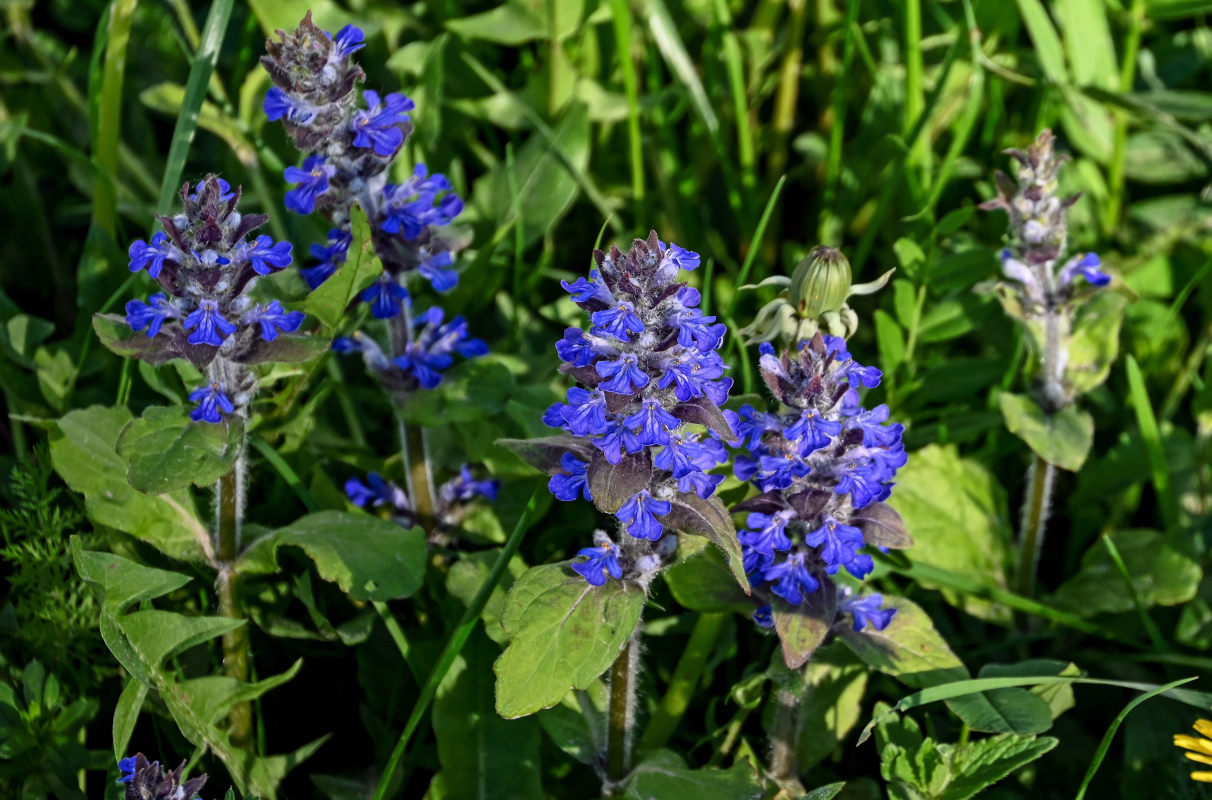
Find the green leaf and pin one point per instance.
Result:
(1058, 696)
(833, 708)
(1161, 156)
(563, 634)
(469, 573)
(802, 628)
(471, 390)
(545, 188)
(1095, 341)
(663, 774)
(166, 450)
(704, 583)
(483, 756)
(1161, 575)
(827, 792)
(120, 582)
(209, 698)
(691, 514)
(982, 763)
(83, 449)
(158, 635)
(126, 714)
(330, 300)
(1009, 710)
(575, 723)
(513, 23)
(368, 557)
(939, 493)
(909, 649)
(1177, 9)
(1063, 438)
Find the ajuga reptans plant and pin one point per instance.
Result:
(147, 780)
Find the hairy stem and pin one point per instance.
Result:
(1041, 476)
(236, 655)
(785, 738)
(621, 721)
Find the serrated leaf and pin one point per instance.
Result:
(691, 514)
(1161, 575)
(166, 450)
(802, 629)
(329, 301)
(1062, 438)
(663, 774)
(563, 633)
(982, 763)
(82, 446)
(368, 557)
(910, 648)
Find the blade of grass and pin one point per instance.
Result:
(686, 675)
(454, 645)
(621, 17)
(915, 90)
(1105, 744)
(1167, 499)
(200, 70)
(833, 159)
(735, 66)
(109, 112)
(755, 243)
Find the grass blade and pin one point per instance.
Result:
(1139, 397)
(109, 112)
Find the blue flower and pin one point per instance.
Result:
(225, 192)
(585, 413)
(348, 40)
(640, 513)
(359, 342)
(273, 318)
(764, 617)
(378, 127)
(265, 256)
(617, 321)
(376, 492)
(700, 483)
(464, 488)
(331, 256)
(151, 315)
(431, 352)
(867, 611)
(127, 767)
(767, 532)
(211, 399)
(815, 430)
(625, 375)
(152, 255)
(409, 207)
(682, 258)
(434, 269)
(278, 105)
(690, 373)
(575, 348)
(651, 423)
(584, 290)
(839, 544)
(572, 482)
(600, 561)
(210, 324)
(312, 182)
(618, 437)
(791, 579)
(1088, 267)
(385, 296)
(862, 480)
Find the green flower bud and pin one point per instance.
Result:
(821, 282)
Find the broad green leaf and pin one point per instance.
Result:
(83, 449)
(483, 756)
(1095, 341)
(209, 698)
(512, 23)
(1161, 575)
(1177, 9)
(166, 450)
(330, 300)
(912, 260)
(468, 574)
(664, 775)
(1058, 696)
(692, 514)
(121, 583)
(126, 714)
(1009, 710)
(1088, 42)
(541, 188)
(833, 708)
(939, 493)
(563, 633)
(909, 649)
(827, 792)
(1161, 156)
(576, 723)
(158, 635)
(471, 390)
(704, 583)
(368, 557)
(982, 763)
(1063, 438)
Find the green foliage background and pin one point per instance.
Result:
(870, 125)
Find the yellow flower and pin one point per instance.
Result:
(1200, 748)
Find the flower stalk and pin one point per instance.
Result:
(621, 721)
(237, 654)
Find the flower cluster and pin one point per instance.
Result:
(1041, 285)
(349, 151)
(148, 781)
(823, 466)
(427, 354)
(648, 365)
(206, 263)
(377, 492)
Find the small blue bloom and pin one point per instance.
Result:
(1088, 267)
(434, 269)
(152, 314)
(127, 767)
(764, 617)
(617, 438)
(278, 105)
(373, 355)
(431, 352)
(312, 182)
(839, 546)
(378, 127)
(791, 579)
(867, 611)
(575, 348)
(599, 562)
(779, 471)
(624, 374)
(265, 256)
(385, 296)
(618, 321)
(152, 255)
(584, 290)
(225, 192)
(212, 328)
(376, 492)
(331, 256)
(412, 206)
(573, 482)
(767, 532)
(585, 413)
(211, 399)
(860, 479)
(690, 373)
(348, 40)
(273, 318)
(700, 483)
(640, 514)
(652, 423)
(464, 488)
(817, 432)
(682, 258)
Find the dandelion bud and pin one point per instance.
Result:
(821, 282)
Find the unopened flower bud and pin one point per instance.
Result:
(821, 282)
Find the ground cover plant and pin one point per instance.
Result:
(632, 398)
